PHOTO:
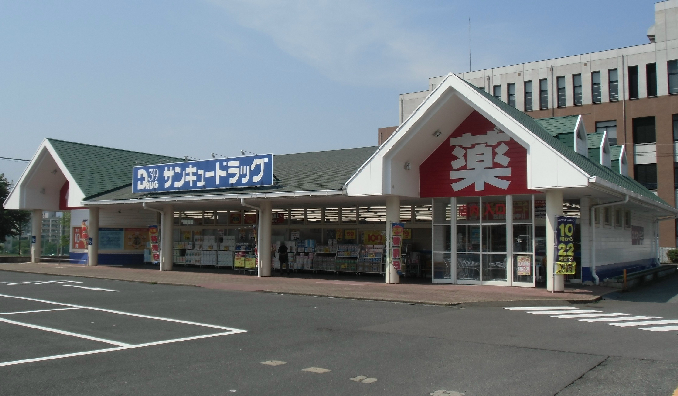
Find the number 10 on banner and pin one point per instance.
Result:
(565, 264)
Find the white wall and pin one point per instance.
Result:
(613, 244)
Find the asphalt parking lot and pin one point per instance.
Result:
(83, 336)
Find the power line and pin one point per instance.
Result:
(15, 159)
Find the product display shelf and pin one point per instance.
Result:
(347, 258)
(245, 259)
(371, 259)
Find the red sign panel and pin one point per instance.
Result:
(477, 159)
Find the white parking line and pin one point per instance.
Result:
(36, 311)
(63, 332)
(119, 345)
(90, 288)
(538, 308)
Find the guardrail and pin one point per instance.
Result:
(631, 280)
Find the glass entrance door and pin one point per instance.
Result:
(441, 257)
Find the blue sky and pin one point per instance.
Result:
(192, 78)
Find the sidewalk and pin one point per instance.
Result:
(329, 285)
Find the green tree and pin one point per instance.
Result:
(12, 222)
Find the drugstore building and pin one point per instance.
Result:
(472, 187)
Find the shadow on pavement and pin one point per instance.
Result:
(663, 291)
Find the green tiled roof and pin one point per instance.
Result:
(315, 171)
(585, 164)
(593, 141)
(99, 169)
(558, 125)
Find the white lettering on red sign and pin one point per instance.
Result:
(478, 154)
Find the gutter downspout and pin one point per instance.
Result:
(593, 234)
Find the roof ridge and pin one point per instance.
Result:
(110, 148)
(327, 151)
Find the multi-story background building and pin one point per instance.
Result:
(631, 93)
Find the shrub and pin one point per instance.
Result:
(672, 255)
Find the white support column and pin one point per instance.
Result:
(554, 208)
(392, 216)
(93, 231)
(36, 232)
(509, 240)
(166, 234)
(264, 238)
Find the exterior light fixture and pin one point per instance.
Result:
(437, 133)
(407, 165)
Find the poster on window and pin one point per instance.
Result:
(396, 242)
(136, 238)
(374, 238)
(77, 239)
(111, 239)
(155, 243)
(637, 235)
(565, 264)
(524, 265)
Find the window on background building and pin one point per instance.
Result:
(618, 218)
(651, 76)
(613, 84)
(611, 128)
(528, 95)
(675, 127)
(576, 89)
(543, 94)
(596, 93)
(643, 130)
(607, 217)
(496, 91)
(562, 95)
(646, 174)
(511, 91)
(633, 82)
(673, 76)
(675, 175)
(627, 219)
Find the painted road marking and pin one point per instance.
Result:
(613, 319)
(644, 323)
(538, 308)
(273, 363)
(63, 332)
(119, 345)
(620, 319)
(579, 311)
(343, 283)
(363, 379)
(317, 370)
(595, 315)
(663, 328)
(36, 311)
(91, 288)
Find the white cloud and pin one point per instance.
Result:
(351, 41)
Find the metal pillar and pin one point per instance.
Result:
(166, 233)
(554, 208)
(264, 238)
(392, 216)
(36, 232)
(93, 233)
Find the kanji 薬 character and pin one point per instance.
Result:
(479, 159)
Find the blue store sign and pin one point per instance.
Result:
(246, 171)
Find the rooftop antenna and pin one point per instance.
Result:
(469, 44)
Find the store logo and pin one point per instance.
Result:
(478, 154)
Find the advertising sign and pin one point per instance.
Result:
(111, 239)
(477, 159)
(350, 234)
(155, 243)
(396, 241)
(524, 265)
(78, 241)
(136, 238)
(246, 171)
(407, 233)
(565, 264)
(374, 238)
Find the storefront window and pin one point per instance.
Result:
(522, 238)
(468, 267)
(494, 267)
(494, 238)
(468, 238)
